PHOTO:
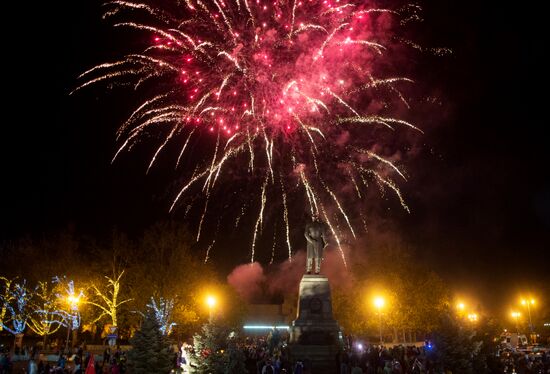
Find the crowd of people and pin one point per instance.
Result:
(265, 357)
(270, 355)
(74, 362)
(518, 362)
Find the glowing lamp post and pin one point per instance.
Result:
(379, 303)
(73, 302)
(472, 317)
(211, 303)
(528, 303)
(516, 315)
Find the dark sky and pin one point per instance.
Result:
(479, 191)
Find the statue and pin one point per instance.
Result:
(316, 242)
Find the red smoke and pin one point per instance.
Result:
(252, 282)
(247, 280)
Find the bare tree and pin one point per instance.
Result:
(108, 299)
(46, 316)
(6, 298)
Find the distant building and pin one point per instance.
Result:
(260, 318)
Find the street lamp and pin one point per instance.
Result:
(516, 315)
(460, 309)
(528, 303)
(73, 302)
(472, 317)
(211, 302)
(379, 303)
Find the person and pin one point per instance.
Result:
(61, 361)
(355, 369)
(268, 368)
(33, 368)
(299, 367)
(99, 367)
(273, 340)
(387, 368)
(106, 356)
(115, 367)
(315, 234)
(343, 360)
(77, 368)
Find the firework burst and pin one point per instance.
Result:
(287, 95)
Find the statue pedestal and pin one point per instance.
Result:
(315, 335)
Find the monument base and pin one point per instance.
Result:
(315, 336)
(318, 359)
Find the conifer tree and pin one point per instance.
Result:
(216, 352)
(150, 353)
(454, 347)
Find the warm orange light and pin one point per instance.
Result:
(73, 300)
(379, 302)
(211, 301)
(460, 306)
(516, 314)
(472, 317)
(525, 302)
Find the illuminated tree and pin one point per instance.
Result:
(171, 271)
(209, 348)
(6, 298)
(66, 292)
(109, 299)
(216, 351)
(17, 309)
(150, 353)
(46, 316)
(163, 314)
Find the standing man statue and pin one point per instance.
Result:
(316, 242)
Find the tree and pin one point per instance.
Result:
(487, 360)
(114, 286)
(454, 348)
(415, 297)
(216, 351)
(108, 299)
(163, 314)
(164, 266)
(66, 292)
(45, 317)
(70, 300)
(208, 355)
(6, 298)
(18, 311)
(150, 353)
(234, 358)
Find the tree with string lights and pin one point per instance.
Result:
(6, 298)
(108, 299)
(18, 311)
(163, 313)
(46, 316)
(150, 353)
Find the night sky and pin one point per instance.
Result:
(478, 190)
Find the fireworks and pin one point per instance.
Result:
(284, 98)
